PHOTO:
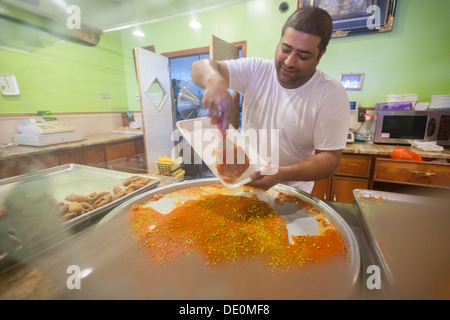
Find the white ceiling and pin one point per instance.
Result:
(111, 14)
(29, 25)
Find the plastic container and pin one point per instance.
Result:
(166, 164)
(363, 134)
(205, 138)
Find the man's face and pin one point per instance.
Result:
(296, 58)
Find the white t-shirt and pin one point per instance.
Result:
(313, 116)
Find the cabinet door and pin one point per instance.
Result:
(122, 157)
(140, 147)
(420, 173)
(23, 165)
(321, 189)
(355, 165)
(90, 156)
(342, 188)
(120, 150)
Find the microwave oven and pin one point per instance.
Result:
(403, 127)
(443, 130)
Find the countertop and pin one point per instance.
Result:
(17, 151)
(11, 152)
(386, 150)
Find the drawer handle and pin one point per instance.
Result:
(426, 174)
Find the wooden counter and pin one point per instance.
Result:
(363, 165)
(369, 166)
(95, 151)
(12, 152)
(19, 151)
(45, 277)
(386, 150)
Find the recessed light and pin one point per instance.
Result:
(138, 33)
(195, 25)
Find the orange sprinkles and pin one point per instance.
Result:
(225, 229)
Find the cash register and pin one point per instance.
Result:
(45, 130)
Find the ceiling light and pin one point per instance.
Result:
(195, 25)
(138, 33)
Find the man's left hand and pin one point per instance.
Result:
(266, 178)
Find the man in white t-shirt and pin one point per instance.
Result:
(309, 109)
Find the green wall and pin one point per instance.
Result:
(258, 22)
(413, 58)
(67, 78)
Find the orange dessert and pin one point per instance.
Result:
(227, 228)
(230, 171)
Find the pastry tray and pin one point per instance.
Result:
(384, 218)
(57, 183)
(298, 221)
(73, 178)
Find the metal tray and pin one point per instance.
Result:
(42, 218)
(73, 178)
(392, 223)
(298, 222)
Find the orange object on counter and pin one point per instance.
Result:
(401, 153)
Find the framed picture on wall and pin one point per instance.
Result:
(352, 81)
(356, 17)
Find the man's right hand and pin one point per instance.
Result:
(218, 103)
(213, 76)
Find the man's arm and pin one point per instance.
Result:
(214, 78)
(319, 166)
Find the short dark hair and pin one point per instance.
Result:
(311, 20)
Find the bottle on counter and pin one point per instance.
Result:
(363, 133)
